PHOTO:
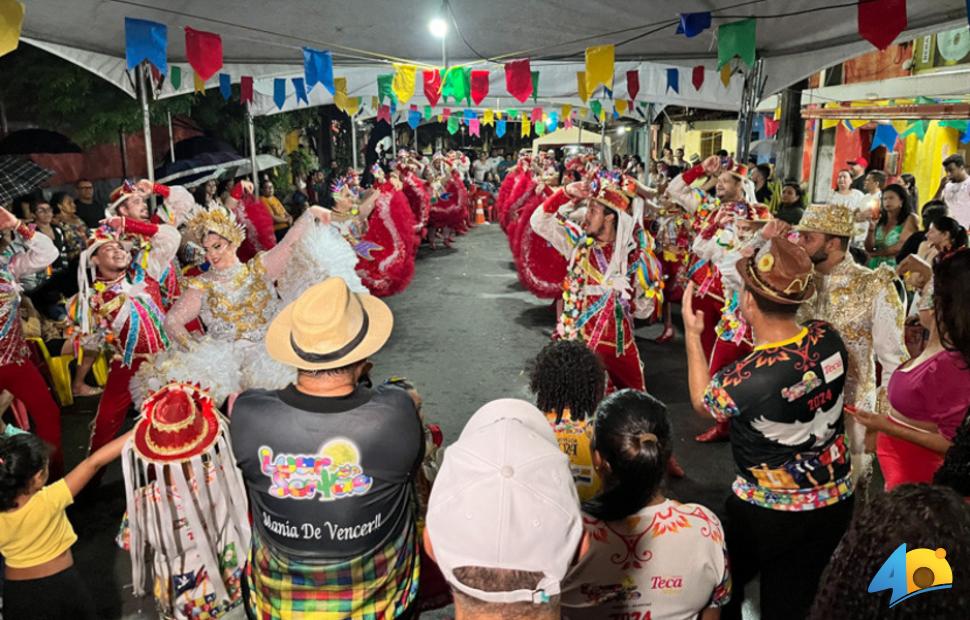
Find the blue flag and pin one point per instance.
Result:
(500, 127)
(692, 24)
(885, 136)
(469, 115)
(318, 68)
(673, 80)
(279, 92)
(553, 123)
(145, 40)
(225, 85)
(414, 119)
(300, 89)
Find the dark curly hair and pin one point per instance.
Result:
(951, 301)
(922, 516)
(904, 211)
(22, 457)
(955, 470)
(632, 434)
(567, 375)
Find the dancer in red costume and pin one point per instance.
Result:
(544, 188)
(418, 195)
(254, 216)
(447, 208)
(505, 191)
(31, 254)
(389, 266)
(120, 306)
(525, 184)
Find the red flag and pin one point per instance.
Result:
(536, 115)
(446, 113)
(633, 84)
(697, 78)
(246, 88)
(384, 114)
(203, 50)
(881, 21)
(518, 79)
(771, 126)
(479, 85)
(432, 86)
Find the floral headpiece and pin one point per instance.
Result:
(221, 222)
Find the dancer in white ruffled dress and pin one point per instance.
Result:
(236, 301)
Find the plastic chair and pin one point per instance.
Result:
(59, 367)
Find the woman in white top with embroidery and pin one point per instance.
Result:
(649, 556)
(844, 196)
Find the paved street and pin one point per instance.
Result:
(464, 333)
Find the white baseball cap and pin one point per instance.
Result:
(505, 499)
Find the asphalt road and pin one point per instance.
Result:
(464, 333)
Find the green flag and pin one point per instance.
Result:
(736, 39)
(176, 79)
(916, 128)
(453, 124)
(960, 126)
(456, 84)
(596, 107)
(540, 128)
(384, 87)
(427, 113)
(535, 85)
(512, 113)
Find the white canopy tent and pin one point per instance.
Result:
(575, 136)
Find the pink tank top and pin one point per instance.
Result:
(937, 391)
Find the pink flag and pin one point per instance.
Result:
(474, 128)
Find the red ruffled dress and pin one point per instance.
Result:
(389, 265)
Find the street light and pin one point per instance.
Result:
(438, 27)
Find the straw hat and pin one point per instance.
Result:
(329, 326)
(783, 273)
(178, 423)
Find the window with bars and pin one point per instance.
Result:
(710, 143)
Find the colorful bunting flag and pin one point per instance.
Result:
(960, 125)
(175, 77)
(881, 21)
(692, 24)
(736, 39)
(225, 86)
(632, 84)
(771, 126)
(432, 85)
(198, 83)
(385, 87)
(916, 128)
(553, 123)
(453, 124)
(620, 106)
(384, 114)
(540, 128)
(885, 136)
(279, 92)
(403, 82)
(353, 106)
(246, 88)
(599, 67)
(427, 112)
(596, 107)
(500, 128)
(518, 79)
(468, 115)
(374, 103)
(318, 68)
(414, 119)
(340, 98)
(535, 85)
(581, 86)
(673, 80)
(566, 111)
(697, 77)
(474, 127)
(144, 40)
(526, 128)
(479, 81)
(488, 118)
(567, 122)
(446, 113)
(512, 113)
(726, 75)
(965, 138)
(203, 50)
(300, 87)
(457, 84)
(536, 115)
(11, 22)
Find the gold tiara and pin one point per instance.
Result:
(220, 222)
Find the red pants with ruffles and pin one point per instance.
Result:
(27, 385)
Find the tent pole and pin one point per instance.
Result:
(171, 138)
(603, 142)
(251, 126)
(353, 138)
(753, 87)
(143, 80)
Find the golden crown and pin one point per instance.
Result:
(220, 222)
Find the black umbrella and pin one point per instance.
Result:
(27, 141)
(19, 177)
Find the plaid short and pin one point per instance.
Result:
(378, 586)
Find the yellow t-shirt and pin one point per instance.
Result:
(38, 531)
(276, 209)
(574, 441)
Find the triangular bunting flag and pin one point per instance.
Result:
(488, 117)
(581, 86)
(596, 107)
(446, 113)
(428, 112)
(697, 77)
(203, 50)
(620, 106)
(279, 92)
(526, 128)
(692, 24)
(500, 128)
(318, 68)
(11, 23)
(540, 128)
(299, 86)
(726, 75)
(176, 77)
(881, 21)
(599, 67)
(414, 119)
(403, 82)
(384, 114)
(673, 80)
(144, 40)
(385, 87)
(518, 79)
(246, 88)
(536, 115)
(225, 85)
(432, 85)
(632, 84)
(771, 127)
(453, 125)
(479, 85)
(916, 128)
(474, 127)
(456, 84)
(353, 106)
(736, 39)
(885, 135)
(198, 83)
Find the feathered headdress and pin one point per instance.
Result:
(219, 221)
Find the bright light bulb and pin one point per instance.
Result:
(438, 27)
(622, 130)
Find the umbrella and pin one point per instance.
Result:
(19, 177)
(28, 141)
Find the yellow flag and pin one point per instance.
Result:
(856, 123)
(829, 123)
(526, 128)
(566, 111)
(198, 81)
(353, 105)
(900, 126)
(620, 106)
(11, 20)
(777, 115)
(340, 85)
(374, 103)
(488, 118)
(498, 115)
(340, 98)
(599, 67)
(726, 75)
(403, 83)
(581, 86)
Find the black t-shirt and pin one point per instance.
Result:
(764, 194)
(91, 212)
(785, 404)
(911, 246)
(328, 478)
(790, 213)
(859, 183)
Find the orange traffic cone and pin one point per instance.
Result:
(479, 212)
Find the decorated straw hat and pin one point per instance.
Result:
(782, 272)
(614, 199)
(329, 326)
(178, 422)
(118, 196)
(837, 220)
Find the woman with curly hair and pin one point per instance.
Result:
(921, 516)
(955, 470)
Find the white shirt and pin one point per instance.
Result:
(668, 561)
(855, 201)
(957, 199)
(479, 169)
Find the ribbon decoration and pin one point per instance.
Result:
(403, 83)
(225, 86)
(697, 77)
(488, 117)
(632, 84)
(318, 68)
(726, 75)
(535, 85)
(518, 79)
(300, 87)
(737, 39)
(144, 40)
(432, 85)
(526, 128)
(203, 50)
(673, 80)
(599, 67)
(385, 87)
(384, 114)
(881, 21)
(246, 88)
(474, 128)
(279, 92)
(885, 136)
(198, 83)
(11, 23)
(175, 77)
(500, 128)
(453, 125)
(581, 86)
(479, 82)
(414, 119)
(692, 24)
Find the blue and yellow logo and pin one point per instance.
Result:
(911, 573)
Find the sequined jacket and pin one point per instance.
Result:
(30, 253)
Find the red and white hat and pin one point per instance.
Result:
(178, 422)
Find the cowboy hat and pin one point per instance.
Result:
(328, 327)
(783, 273)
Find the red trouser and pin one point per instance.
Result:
(719, 353)
(625, 371)
(27, 385)
(115, 401)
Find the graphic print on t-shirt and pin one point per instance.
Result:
(333, 473)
